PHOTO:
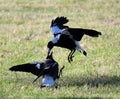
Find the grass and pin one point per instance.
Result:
(24, 33)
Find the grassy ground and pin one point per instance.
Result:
(24, 33)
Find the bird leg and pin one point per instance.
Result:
(70, 56)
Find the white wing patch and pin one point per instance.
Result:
(55, 29)
(38, 65)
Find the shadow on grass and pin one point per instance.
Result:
(74, 80)
(80, 98)
(92, 81)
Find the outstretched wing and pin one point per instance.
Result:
(34, 68)
(78, 33)
(59, 21)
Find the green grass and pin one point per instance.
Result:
(24, 33)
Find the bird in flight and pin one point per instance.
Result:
(67, 37)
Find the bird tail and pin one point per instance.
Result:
(78, 33)
(92, 33)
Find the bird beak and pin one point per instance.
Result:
(49, 50)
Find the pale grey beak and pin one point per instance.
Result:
(48, 81)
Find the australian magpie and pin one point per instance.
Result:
(48, 69)
(67, 37)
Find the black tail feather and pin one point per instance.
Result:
(78, 33)
(92, 33)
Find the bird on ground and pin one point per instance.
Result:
(49, 70)
(67, 37)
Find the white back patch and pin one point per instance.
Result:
(48, 81)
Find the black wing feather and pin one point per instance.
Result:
(60, 20)
(29, 67)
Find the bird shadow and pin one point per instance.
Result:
(91, 81)
(73, 80)
(80, 98)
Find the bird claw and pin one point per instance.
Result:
(84, 53)
(70, 58)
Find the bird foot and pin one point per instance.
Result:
(70, 59)
(84, 52)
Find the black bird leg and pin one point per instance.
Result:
(70, 56)
(85, 53)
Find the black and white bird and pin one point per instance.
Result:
(68, 37)
(48, 69)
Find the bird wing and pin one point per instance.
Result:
(34, 68)
(59, 21)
